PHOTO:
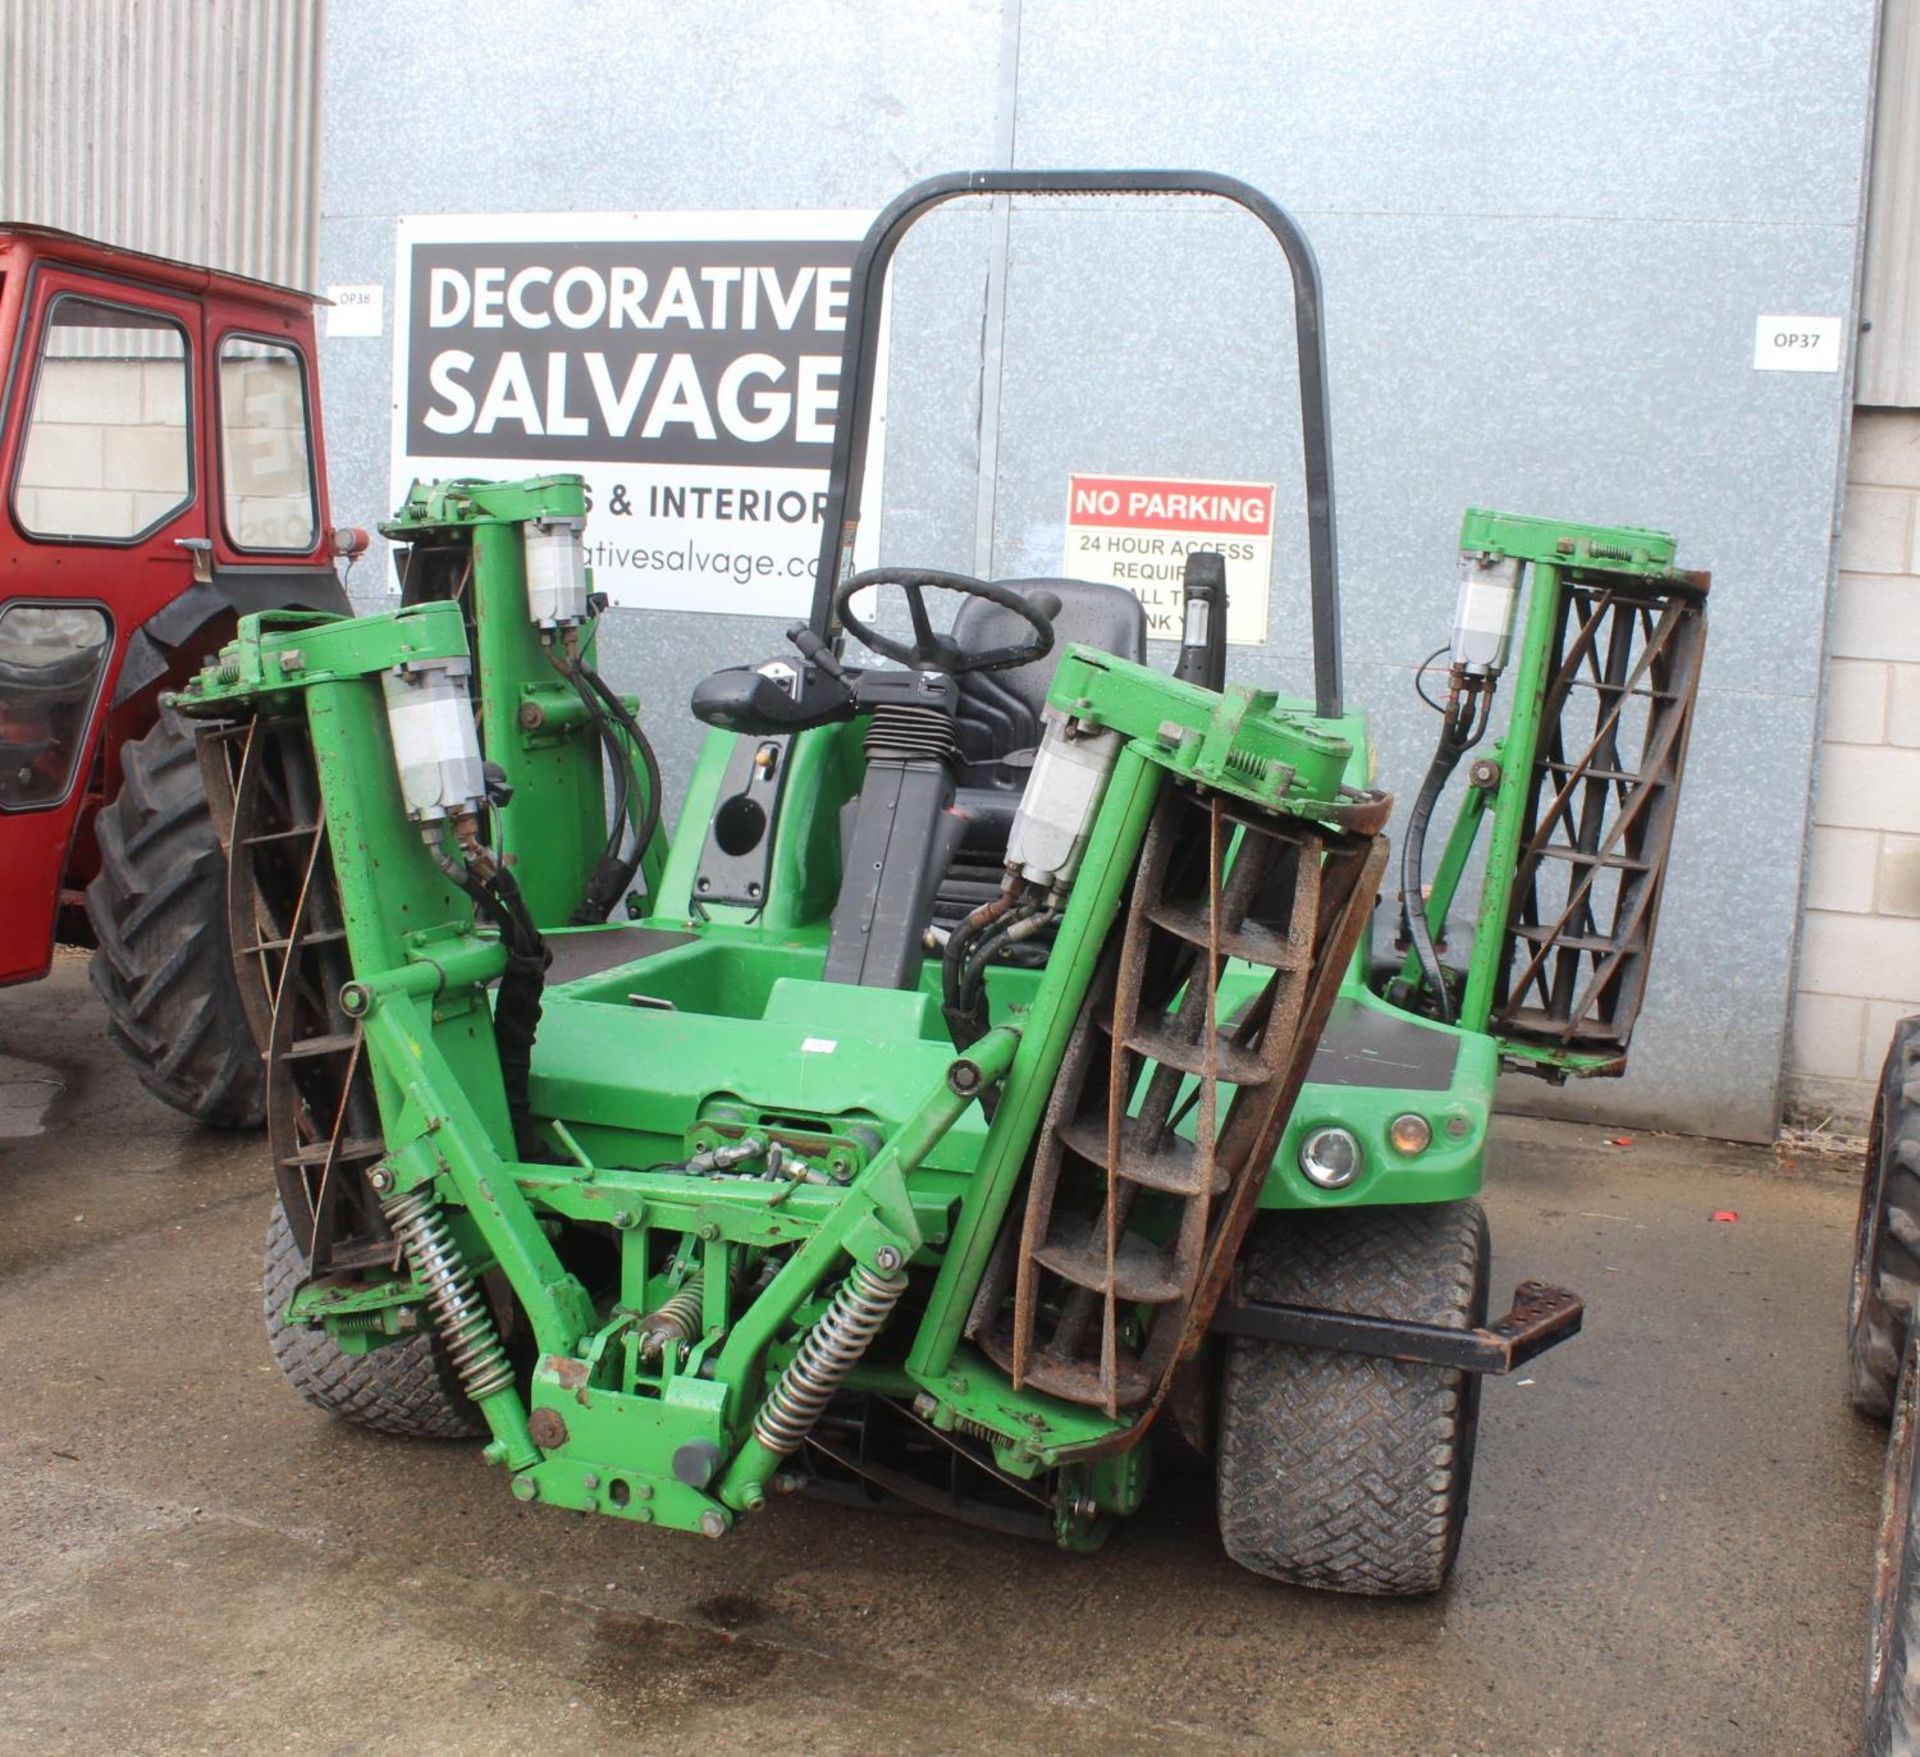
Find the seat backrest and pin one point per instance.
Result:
(999, 713)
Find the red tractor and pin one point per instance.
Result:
(162, 472)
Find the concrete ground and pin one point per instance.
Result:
(1672, 1515)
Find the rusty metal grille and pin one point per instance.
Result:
(1107, 1280)
(1598, 826)
(289, 943)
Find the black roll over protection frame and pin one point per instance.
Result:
(860, 352)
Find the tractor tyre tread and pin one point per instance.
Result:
(1893, 1647)
(1348, 1472)
(163, 963)
(407, 1387)
(1886, 1265)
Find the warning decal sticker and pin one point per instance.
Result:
(1137, 531)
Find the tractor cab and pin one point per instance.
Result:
(161, 474)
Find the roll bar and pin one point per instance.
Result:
(860, 353)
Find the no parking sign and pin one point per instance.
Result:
(1137, 531)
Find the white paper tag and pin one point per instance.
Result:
(1797, 344)
(820, 1046)
(356, 311)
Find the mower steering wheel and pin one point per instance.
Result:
(938, 652)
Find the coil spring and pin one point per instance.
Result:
(909, 733)
(976, 1430)
(832, 1349)
(459, 1313)
(677, 1320)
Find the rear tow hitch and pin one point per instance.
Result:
(1542, 1317)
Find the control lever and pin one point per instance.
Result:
(814, 650)
(769, 699)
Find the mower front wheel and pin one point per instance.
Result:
(1342, 1471)
(407, 1387)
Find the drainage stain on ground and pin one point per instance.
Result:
(27, 1092)
(731, 1610)
(644, 1663)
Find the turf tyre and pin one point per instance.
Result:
(406, 1387)
(1886, 1241)
(1342, 1471)
(164, 964)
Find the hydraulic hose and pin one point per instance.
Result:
(613, 874)
(1463, 721)
(954, 1006)
(650, 819)
(1413, 913)
(516, 1012)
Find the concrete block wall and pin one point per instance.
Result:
(1858, 968)
(263, 450)
(106, 452)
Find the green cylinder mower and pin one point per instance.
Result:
(993, 1070)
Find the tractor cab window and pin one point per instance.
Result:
(51, 660)
(266, 460)
(108, 452)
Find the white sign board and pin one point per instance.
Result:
(356, 311)
(1137, 531)
(686, 364)
(1797, 344)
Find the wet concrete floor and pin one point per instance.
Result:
(1668, 1551)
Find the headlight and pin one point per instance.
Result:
(1410, 1134)
(1330, 1157)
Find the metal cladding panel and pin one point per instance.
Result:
(620, 107)
(187, 130)
(1888, 375)
(1545, 239)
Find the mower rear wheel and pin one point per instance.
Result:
(407, 1387)
(164, 965)
(1886, 1239)
(1345, 1471)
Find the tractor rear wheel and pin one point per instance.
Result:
(407, 1387)
(164, 965)
(1886, 1240)
(1345, 1471)
(1893, 1644)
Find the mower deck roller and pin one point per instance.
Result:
(1602, 798)
(1290, 908)
(994, 1029)
(290, 947)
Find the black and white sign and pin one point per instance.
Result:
(687, 364)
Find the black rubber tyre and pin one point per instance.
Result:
(1342, 1471)
(403, 1387)
(159, 912)
(1886, 1240)
(1893, 1637)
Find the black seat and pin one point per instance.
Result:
(998, 721)
(999, 712)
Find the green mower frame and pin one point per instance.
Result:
(777, 1182)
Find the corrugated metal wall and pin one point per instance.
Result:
(190, 128)
(1888, 373)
